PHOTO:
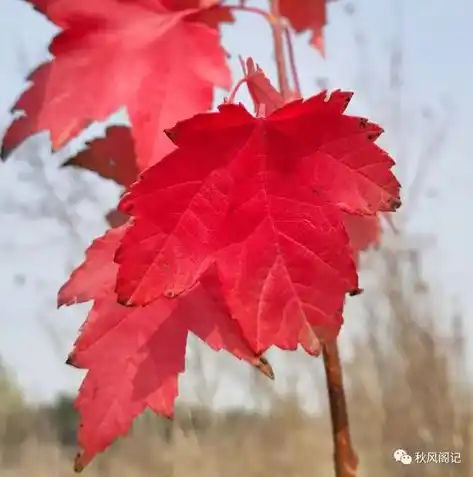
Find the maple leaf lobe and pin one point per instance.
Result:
(112, 157)
(96, 274)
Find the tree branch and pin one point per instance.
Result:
(278, 40)
(345, 458)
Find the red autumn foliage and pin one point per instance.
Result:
(112, 157)
(363, 231)
(161, 64)
(134, 355)
(262, 199)
(307, 15)
(242, 230)
(117, 148)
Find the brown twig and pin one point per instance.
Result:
(345, 458)
(292, 62)
(278, 40)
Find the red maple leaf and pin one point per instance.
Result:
(305, 15)
(134, 355)
(262, 198)
(112, 157)
(161, 64)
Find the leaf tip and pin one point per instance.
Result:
(355, 292)
(263, 365)
(70, 361)
(64, 298)
(170, 133)
(5, 153)
(373, 136)
(69, 163)
(395, 203)
(79, 462)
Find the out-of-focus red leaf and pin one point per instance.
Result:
(161, 64)
(112, 157)
(307, 15)
(212, 12)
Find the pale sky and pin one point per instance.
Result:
(38, 247)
